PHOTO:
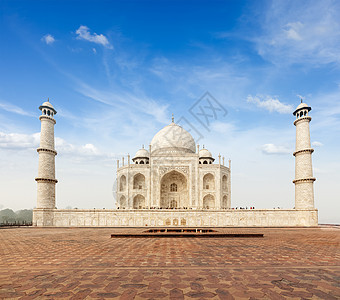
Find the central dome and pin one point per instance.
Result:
(173, 138)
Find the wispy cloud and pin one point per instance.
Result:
(300, 32)
(126, 100)
(18, 141)
(83, 33)
(222, 127)
(80, 152)
(14, 109)
(317, 144)
(48, 39)
(292, 31)
(275, 149)
(270, 103)
(326, 112)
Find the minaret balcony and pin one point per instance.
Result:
(310, 150)
(51, 180)
(46, 150)
(312, 179)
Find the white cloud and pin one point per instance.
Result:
(81, 152)
(86, 150)
(292, 31)
(120, 98)
(300, 32)
(317, 144)
(48, 39)
(14, 109)
(94, 50)
(270, 103)
(326, 120)
(83, 33)
(222, 127)
(275, 149)
(17, 141)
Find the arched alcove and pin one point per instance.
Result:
(139, 181)
(224, 183)
(209, 182)
(209, 202)
(225, 202)
(122, 183)
(122, 202)
(138, 202)
(174, 190)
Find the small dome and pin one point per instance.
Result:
(47, 104)
(173, 137)
(142, 153)
(204, 153)
(302, 105)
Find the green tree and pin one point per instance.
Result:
(24, 216)
(7, 216)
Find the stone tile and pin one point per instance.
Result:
(85, 263)
(224, 294)
(128, 294)
(153, 295)
(200, 294)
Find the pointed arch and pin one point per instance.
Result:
(122, 183)
(209, 202)
(139, 181)
(138, 202)
(174, 190)
(122, 202)
(208, 181)
(225, 202)
(224, 183)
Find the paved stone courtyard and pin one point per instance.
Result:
(85, 263)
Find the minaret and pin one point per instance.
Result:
(304, 193)
(46, 173)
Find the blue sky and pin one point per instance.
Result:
(116, 70)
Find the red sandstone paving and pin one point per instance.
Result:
(85, 263)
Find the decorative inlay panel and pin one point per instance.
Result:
(166, 169)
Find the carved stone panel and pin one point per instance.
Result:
(166, 169)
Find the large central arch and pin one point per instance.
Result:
(174, 190)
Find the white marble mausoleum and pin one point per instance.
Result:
(173, 174)
(174, 183)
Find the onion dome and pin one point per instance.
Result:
(205, 157)
(301, 106)
(141, 157)
(204, 153)
(142, 153)
(47, 105)
(173, 138)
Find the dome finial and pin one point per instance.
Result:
(301, 100)
(143, 146)
(173, 118)
(48, 99)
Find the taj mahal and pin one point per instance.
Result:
(173, 175)
(174, 183)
